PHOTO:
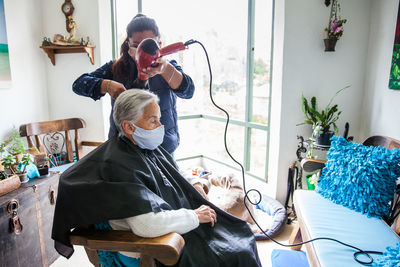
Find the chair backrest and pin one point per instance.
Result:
(54, 137)
(382, 141)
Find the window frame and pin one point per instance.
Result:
(247, 124)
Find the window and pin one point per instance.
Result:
(237, 36)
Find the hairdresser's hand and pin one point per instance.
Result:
(199, 187)
(159, 69)
(206, 215)
(113, 88)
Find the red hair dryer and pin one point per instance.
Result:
(148, 52)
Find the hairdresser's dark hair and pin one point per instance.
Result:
(139, 23)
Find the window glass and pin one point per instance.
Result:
(258, 152)
(222, 27)
(125, 10)
(213, 141)
(262, 50)
(223, 32)
(191, 138)
(206, 137)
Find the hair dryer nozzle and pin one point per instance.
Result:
(146, 54)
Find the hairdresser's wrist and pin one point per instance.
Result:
(167, 71)
(105, 86)
(172, 76)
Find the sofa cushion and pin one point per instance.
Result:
(360, 177)
(321, 217)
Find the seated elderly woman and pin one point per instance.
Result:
(130, 182)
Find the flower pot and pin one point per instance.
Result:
(324, 138)
(9, 184)
(23, 177)
(330, 44)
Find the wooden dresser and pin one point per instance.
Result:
(32, 206)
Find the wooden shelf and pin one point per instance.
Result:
(51, 50)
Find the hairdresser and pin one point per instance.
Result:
(167, 80)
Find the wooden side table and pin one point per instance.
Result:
(295, 173)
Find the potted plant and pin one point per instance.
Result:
(25, 161)
(15, 145)
(335, 27)
(322, 120)
(16, 160)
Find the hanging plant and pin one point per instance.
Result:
(335, 28)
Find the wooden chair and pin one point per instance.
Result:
(165, 249)
(310, 165)
(53, 137)
(50, 140)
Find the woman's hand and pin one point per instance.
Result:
(199, 187)
(113, 88)
(206, 215)
(159, 69)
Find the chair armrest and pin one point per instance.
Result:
(91, 143)
(310, 165)
(166, 249)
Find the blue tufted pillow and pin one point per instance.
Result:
(359, 177)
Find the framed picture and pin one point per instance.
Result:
(394, 80)
(5, 73)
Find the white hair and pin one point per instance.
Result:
(129, 106)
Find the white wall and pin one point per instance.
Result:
(381, 111)
(307, 69)
(63, 102)
(26, 100)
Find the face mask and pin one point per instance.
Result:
(148, 139)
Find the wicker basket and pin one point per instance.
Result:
(9, 184)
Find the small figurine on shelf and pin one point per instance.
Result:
(46, 41)
(85, 43)
(60, 39)
(72, 27)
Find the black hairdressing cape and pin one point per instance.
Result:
(119, 180)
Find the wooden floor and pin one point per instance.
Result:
(265, 248)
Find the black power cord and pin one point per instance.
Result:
(355, 255)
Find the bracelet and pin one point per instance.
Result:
(108, 86)
(172, 75)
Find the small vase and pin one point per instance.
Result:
(330, 44)
(23, 177)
